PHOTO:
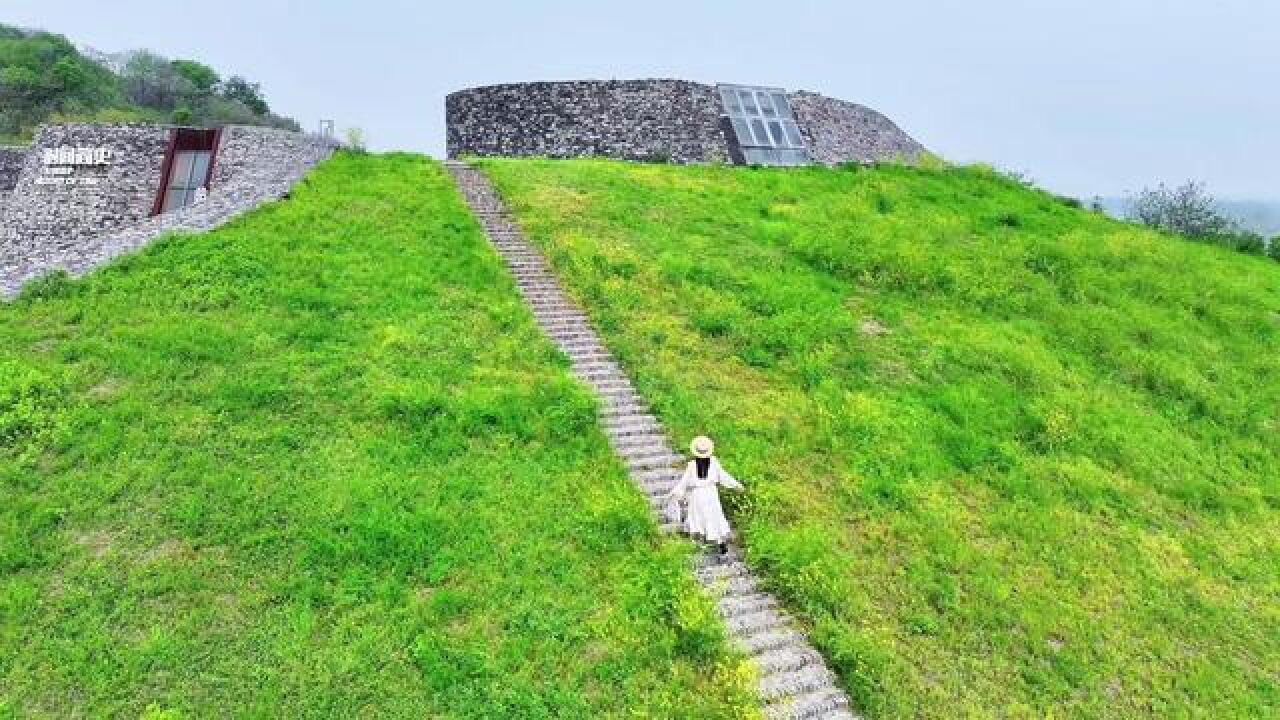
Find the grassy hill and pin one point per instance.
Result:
(321, 463)
(1008, 458)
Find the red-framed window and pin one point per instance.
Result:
(188, 168)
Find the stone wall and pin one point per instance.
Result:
(48, 227)
(12, 160)
(667, 120)
(663, 120)
(248, 153)
(837, 131)
(44, 215)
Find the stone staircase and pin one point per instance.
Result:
(794, 680)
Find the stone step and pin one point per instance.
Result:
(658, 451)
(623, 394)
(738, 587)
(609, 409)
(637, 420)
(546, 294)
(576, 349)
(757, 623)
(624, 408)
(540, 279)
(657, 490)
(547, 304)
(746, 604)
(539, 288)
(843, 713)
(561, 314)
(786, 659)
(652, 438)
(766, 641)
(571, 328)
(576, 320)
(658, 485)
(809, 706)
(655, 448)
(607, 383)
(561, 318)
(637, 429)
(714, 572)
(648, 463)
(581, 347)
(566, 336)
(572, 313)
(796, 683)
(600, 377)
(544, 307)
(709, 559)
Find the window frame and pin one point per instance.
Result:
(771, 134)
(186, 140)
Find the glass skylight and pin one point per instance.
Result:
(764, 125)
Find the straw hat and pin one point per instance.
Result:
(702, 446)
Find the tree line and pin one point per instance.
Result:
(45, 78)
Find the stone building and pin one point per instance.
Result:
(670, 121)
(84, 193)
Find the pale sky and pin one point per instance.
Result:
(1085, 96)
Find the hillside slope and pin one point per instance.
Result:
(1007, 457)
(321, 463)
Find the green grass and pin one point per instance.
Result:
(1007, 458)
(321, 463)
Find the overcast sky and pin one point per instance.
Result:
(1086, 96)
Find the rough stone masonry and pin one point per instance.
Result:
(98, 209)
(651, 120)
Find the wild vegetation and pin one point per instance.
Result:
(44, 78)
(1190, 211)
(321, 463)
(1005, 456)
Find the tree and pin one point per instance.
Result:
(69, 75)
(1187, 209)
(152, 81)
(202, 77)
(42, 74)
(250, 93)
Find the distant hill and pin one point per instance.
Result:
(1257, 215)
(44, 77)
(1260, 216)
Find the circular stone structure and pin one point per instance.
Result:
(665, 120)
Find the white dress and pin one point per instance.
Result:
(704, 518)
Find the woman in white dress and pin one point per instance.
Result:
(703, 518)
